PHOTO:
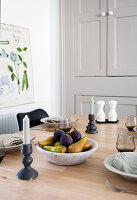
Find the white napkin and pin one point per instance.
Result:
(125, 164)
(9, 140)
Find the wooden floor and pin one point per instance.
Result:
(83, 181)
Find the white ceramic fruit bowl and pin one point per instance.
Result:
(69, 158)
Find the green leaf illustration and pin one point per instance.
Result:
(27, 84)
(10, 68)
(25, 81)
(12, 77)
(19, 49)
(20, 58)
(25, 49)
(25, 64)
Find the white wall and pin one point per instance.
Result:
(55, 57)
(41, 17)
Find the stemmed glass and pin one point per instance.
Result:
(131, 122)
(125, 142)
(2, 149)
(65, 124)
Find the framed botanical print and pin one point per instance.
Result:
(16, 76)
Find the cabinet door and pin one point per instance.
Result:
(90, 32)
(126, 106)
(122, 38)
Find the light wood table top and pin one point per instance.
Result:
(83, 181)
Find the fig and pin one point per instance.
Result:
(66, 140)
(58, 134)
(76, 135)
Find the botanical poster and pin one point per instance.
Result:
(16, 81)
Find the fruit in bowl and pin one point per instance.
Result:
(58, 134)
(78, 146)
(72, 142)
(67, 152)
(57, 149)
(48, 142)
(66, 140)
(76, 135)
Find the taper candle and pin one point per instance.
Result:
(26, 130)
(92, 106)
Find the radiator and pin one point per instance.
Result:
(8, 123)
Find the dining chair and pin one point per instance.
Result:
(34, 116)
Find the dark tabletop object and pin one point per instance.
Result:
(1, 157)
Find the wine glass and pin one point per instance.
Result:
(65, 124)
(131, 122)
(2, 149)
(125, 142)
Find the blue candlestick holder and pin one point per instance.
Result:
(27, 172)
(91, 128)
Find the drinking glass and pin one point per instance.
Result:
(131, 122)
(125, 142)
(65, 124)
(2, 149)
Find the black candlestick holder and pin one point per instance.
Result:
(27, 172)
(91, 128)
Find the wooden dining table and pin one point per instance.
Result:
(83, 181)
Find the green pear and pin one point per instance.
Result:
(57, 144)
(48, 142)
(57, 149)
